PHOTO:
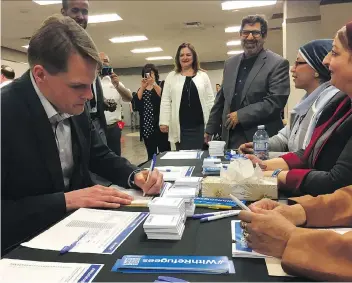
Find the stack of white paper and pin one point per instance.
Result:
(190, 208)
(212, 166)
(164, 227)
(216, 148)
(167, 206)
(186, 189)
(189, 182)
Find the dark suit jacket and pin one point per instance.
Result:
(264, 95)
(100, 105)
(32, 187)
(331, 167)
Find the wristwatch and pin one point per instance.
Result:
(276, 172)
(130, 181)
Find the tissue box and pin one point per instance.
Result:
(252, 191)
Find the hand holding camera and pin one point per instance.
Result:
(115, 79)
(110, 105)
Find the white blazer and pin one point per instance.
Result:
(171, 100)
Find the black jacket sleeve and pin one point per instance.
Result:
(106, 163)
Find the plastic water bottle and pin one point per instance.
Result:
(261, 143)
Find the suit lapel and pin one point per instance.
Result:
(44, 133)
(259, 63)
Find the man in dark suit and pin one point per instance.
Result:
(254, 91)
(48, 141)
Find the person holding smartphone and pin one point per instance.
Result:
(148, 103)
(114, 91)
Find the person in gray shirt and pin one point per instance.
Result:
(309, 73)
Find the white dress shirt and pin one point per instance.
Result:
(62, 132)
(110, 92)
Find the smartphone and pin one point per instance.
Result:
(106, 71)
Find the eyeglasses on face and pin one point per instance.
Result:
(255, 33)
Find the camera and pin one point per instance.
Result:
(106, 71)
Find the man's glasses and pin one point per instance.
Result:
(255, 33)
(297, 63)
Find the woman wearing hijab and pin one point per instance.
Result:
(309, 73)
(271, 227)
(325, 164)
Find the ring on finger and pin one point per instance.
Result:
(245, 235)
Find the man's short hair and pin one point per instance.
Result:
(65, 4)
(253, 19)
(54, 42)
(7, 72)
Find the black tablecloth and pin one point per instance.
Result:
(203, 239)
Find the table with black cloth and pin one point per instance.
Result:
(200, 239)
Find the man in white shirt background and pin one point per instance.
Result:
(114, 91)
(7, 75)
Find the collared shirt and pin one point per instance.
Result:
(5, 83)
(243, 72)
(62, 132)
(110, 92)
(94, 90)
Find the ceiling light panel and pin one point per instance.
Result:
(146, 50)
(124, 39)
(103, 18)
(233, 43)
(159, 58)
(235, 5)
(235, 52)
(46, 2)
(233, 29)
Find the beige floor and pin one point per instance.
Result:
(131, 148)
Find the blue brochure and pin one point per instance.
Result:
(174, 264)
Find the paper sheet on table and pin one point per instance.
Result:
(274, 267)
(186, 154)
(107, 230)
(172, 173)
(138, 199)
(274, 264)
(14, 270)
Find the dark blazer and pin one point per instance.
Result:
(264, 95)
(331, 165)
(101, 105)
(32, 187)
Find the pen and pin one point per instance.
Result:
(216, 217)
(164, 170)
(151, 168)
(239, 203)
(66, 249)
(198, 216)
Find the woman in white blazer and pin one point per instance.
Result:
(186, 101)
